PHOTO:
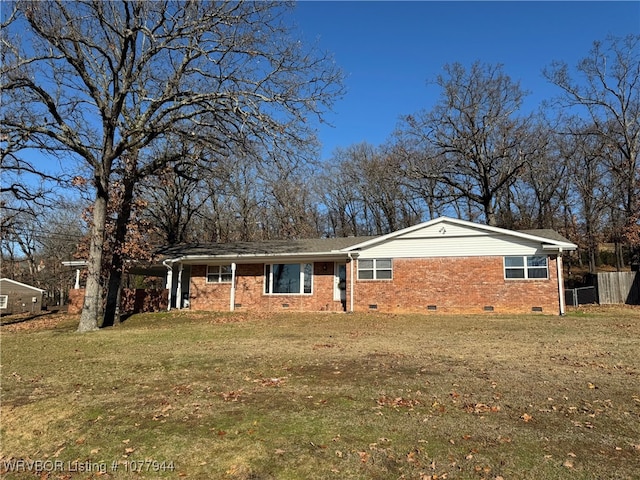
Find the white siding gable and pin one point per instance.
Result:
(450, 239)
(470, 246)
(444, 230)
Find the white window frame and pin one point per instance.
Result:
(4, 302)
(306, 272)
(215, 274)
(526, 268)
(376, 269)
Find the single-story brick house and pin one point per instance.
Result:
(17, 297)
(443, 265)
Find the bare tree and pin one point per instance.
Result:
(587, 169)
(365, 192)
(175, 195)
(291, 207)
(537, 197)
(344, 207)
(36, 243)
(476, 135)
(105, 82)
(607, 96)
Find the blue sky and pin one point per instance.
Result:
(390, 50)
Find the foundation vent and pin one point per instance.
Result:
(432, 307)
(536, 309)
(488, 308)
(373, 306)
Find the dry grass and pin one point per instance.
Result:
(327, 396)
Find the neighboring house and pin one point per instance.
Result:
(443, 265)
(16, 297)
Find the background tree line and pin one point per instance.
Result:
(199, 133)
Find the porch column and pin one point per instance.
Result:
(232, 300)
(352, 281)
(179, 289)
(169, 285)
(560, 282)
(77, 285)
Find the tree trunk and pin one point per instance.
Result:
(117, 263)
(619, 254)
(117, 315)
(490, 212)
(113, 287)
(92, 309)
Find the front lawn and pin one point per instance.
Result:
(324, 396)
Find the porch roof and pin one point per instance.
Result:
(267, 249)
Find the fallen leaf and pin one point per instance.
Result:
(279, 451)
(271, 382)
(59, 451)
(526, 417)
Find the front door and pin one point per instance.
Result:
(340, 284)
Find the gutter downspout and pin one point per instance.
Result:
(232, 300)
(560, 282)
(169, 280)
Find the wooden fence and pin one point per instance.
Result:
(619, 287)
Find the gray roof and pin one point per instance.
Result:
(267, 247)
(546, 233)
(298, 247)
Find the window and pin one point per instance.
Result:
(533, 267)
(294, 278)
(375, 269)
(3, 301)
(219, 274)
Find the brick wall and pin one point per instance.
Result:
(442, 285)
(456, 285)
(250, 291)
